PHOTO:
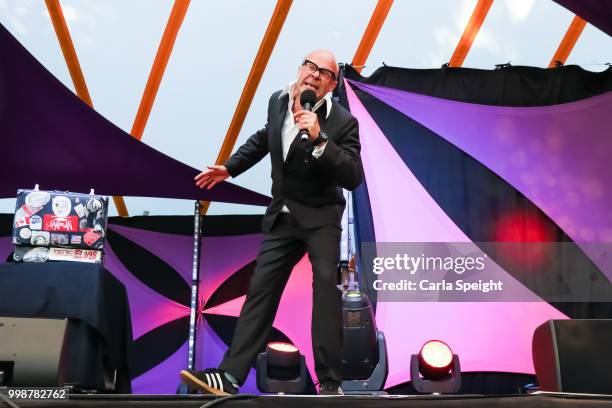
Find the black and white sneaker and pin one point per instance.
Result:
(330, 388)
(211, 381)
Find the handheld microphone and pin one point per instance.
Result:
(307, 100)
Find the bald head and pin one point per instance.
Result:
(327, 56)
(318, 72)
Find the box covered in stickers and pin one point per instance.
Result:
(56, 219)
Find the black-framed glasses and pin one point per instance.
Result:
(324, 73)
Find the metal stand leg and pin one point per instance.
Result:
(195, 285)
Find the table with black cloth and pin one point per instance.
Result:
(99, 327)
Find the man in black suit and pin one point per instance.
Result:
(304, 216)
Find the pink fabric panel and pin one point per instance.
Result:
(294, 312)
(487, 336)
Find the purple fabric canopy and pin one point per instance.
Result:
(556, 155)
(51, 138)
(596, 12)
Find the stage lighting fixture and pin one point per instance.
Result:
(439, 367)
(281, 369)
(364, 353)
(435, 360)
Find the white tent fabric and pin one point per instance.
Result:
(116, 42)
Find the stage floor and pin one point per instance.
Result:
(412, 401)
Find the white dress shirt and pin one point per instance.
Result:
(290, 129)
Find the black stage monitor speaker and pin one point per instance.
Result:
(32, 350)
(574, 356)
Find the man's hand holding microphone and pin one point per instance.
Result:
(307, 121)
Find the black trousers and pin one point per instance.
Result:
(280, 250)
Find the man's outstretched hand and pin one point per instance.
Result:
(211, 177)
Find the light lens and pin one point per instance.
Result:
(284, 347)
(437, 354)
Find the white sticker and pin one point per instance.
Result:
(36, 255)
(40, 238)
(79, 255)
(94, 205)
(37, 199)
(25, 233)
(61, 206)
(35, 222)
(80, 210)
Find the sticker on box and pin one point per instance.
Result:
(76, 255)
(91, 237)
(37, 199)
(39, 238)
(61, 206)
(21, 221)
(25, 233)
(80, 210)
(59, 239)
(26, 254)
(62, 224)
(94, 205)
(35, 222)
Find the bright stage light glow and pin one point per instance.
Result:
(437, 354)
(283, 347)
(435, 360)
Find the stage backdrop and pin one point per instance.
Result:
(517, 154)
(152, 257)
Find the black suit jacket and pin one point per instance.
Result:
(311, 190)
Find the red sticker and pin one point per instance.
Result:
(55, 223)
(22, 221)
(91, 236)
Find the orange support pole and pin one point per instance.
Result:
(248, 92)
(568, 42)
(159, 66)
(469, 34)
(63, 36)
(177, 15)
(74, 68)
(371, 33)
